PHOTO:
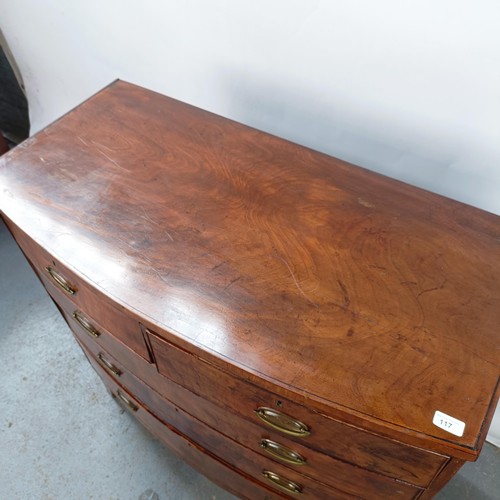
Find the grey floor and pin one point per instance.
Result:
(61, 435)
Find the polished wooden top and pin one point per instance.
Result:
(338, 284)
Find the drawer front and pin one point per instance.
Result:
(199, 458)
(326, 435)
(72, 292)
(318, 466)
(321, 465)
(110, 342)
(126, 363)
(347, 481)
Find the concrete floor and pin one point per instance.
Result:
(62, 436)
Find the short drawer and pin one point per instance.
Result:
(344, 480)
(321, 433)
(92, 332)
(191, 452)
(77, 296)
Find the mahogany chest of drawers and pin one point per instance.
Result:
(289, 324)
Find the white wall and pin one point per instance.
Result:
(410, 89)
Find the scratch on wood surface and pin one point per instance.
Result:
(365, 203)
(168, 234)
(126, 243)
(357, 339)
(110, 159)
(347, 300)
(81, 140)
(218, 265)
(187, 153)
(162, 278)
(149, 219)
(297, 284)
(232, 282)
(432, 289)
(374, 266)
(156, 271)
(95, 143)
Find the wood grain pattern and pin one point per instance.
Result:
(355, 296)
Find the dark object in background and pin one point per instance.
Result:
(14, 119)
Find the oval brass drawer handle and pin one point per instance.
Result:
(282, 483)
(126, 401)
(61, 281)
(282, 452)
(108, 366)
(282, 422)
(86, 324)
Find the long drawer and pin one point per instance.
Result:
(250, 433)
(319, 466)
(294, 421)
(59, 281)
(346, 480)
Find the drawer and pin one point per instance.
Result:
(226, 422)
(73, 293)
(317, 465)
(199, 458)
(347, 481)
(326, 435)
(94, 334)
